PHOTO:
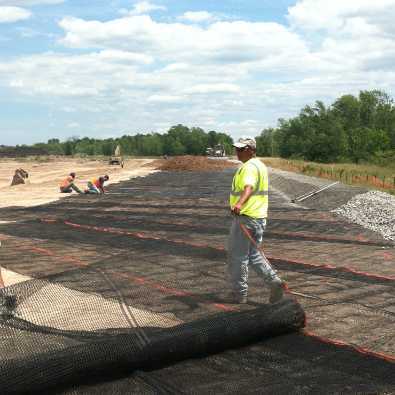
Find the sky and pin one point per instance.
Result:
(105, 68)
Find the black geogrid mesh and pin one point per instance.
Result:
(142, 285)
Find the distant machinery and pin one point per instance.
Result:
(218, 150)
(117, 159)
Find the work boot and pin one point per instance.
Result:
(276, 290)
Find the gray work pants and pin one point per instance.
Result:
(242, 253)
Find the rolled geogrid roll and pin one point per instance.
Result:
(103, 355)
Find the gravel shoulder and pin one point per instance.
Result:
(372, 210)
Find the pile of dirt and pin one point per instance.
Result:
(193, 163)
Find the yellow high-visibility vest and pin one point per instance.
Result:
(254, 173)
(96, 182)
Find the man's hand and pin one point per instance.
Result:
(236, 209)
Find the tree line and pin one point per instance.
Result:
(179, 140)
(352, 129)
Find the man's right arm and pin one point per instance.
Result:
(248, 189)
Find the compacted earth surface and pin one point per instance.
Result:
(149, 256)
(45, 175)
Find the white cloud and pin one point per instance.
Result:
(213, 88)
(197, 16)
(124, 56)
(176, 67)
(68, 76)
(164, 99)
(135, 73)
(27, 3)
(222, 64)
(221, 42)
(144, 7)
(334, 14)
(13, 14)
(356, 35)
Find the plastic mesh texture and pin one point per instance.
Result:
(288, 364)
(110, 292)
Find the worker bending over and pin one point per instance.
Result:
(67, 185)
(96, 185)
(249, 204)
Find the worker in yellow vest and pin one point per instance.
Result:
(96, 185)
(249, 205)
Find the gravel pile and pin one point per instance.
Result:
(373, 210)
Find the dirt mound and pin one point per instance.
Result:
(193, 163)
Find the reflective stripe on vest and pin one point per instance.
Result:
(257, 192)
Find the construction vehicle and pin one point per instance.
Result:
(218, 150)
(116, 159)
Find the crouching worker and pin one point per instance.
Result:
(249, 206)
(68, 186)
(96, 185)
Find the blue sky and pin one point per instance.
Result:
(104, 68)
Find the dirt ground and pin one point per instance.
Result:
(44, 177)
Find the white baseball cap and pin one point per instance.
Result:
(243, 142)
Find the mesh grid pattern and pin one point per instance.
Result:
(123, 284)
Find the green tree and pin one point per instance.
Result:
(266, 143)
